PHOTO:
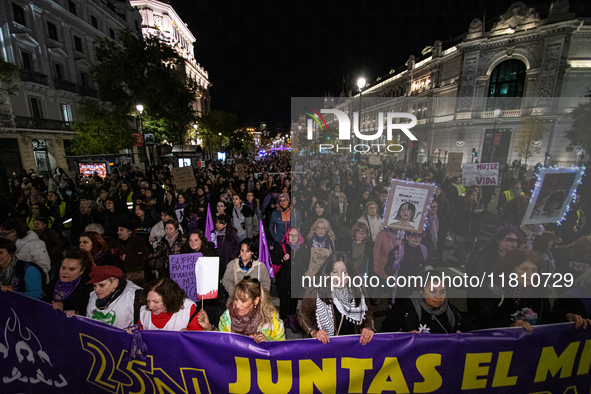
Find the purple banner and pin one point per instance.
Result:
(42, 351)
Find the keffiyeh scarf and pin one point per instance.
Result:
(345, 303)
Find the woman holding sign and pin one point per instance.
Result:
(168, 308)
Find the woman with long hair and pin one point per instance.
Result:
(93, 243)
(344, 309)
(321, 244)
(251, 314)
(372, 219)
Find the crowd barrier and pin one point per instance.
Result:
(42, 351)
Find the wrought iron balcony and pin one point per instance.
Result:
(85, 91)
(61, 84)
(24, 122)
(33, 76)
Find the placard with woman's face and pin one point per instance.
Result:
(407, 204)
(552, 195)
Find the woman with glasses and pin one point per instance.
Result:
(321, 244)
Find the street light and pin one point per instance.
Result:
(140, 109)
(360, 85)
(497, 113)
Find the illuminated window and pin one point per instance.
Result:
(506, 87)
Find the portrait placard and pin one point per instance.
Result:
(552, 195)
(407, 205)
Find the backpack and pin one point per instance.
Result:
(18, 283)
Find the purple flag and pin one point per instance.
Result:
(209, 228)
(264, 251)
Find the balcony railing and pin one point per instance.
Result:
(23, 122)
(33, 76)
(61, 84)
(85, 91)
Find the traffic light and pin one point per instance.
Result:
(474, 153)
(547, 156)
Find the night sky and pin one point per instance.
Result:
(258, 57)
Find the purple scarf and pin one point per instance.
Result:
(318, 242)
(249, 204)
(64, 289)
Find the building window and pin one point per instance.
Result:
(66, 112)
(84, 80)
(122, 16)
(94, 21)
(59, 71)
(52, 31)
(19, 14)
(27, 61)
(36, 107)
(78, 44)
(72, 7)
(111, 33)
(507, 82)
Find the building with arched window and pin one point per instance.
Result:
(471, 94)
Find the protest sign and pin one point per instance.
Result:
(207, 274)
(407, 205)
(43, 351)
(374, 161)
(182, 271)
(552, 195)
(184, 177)
(483, 174)
(454, 164)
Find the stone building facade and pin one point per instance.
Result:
(161, 20)
(51, 44)
(471, 95)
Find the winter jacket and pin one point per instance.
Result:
(159, 259)
(31, 248)
(282, 220)
(235, 274)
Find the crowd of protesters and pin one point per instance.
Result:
(100, 247)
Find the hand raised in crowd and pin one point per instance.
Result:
(578, 320)
(57, 305)
(321, 335)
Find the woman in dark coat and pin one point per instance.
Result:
(69, 291)
(132, 252)
(427, 311)
(289, 255)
